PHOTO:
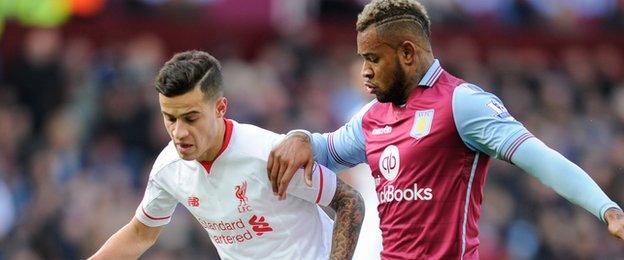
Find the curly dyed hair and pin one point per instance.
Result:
(382, 12)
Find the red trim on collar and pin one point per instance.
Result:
(226, 141)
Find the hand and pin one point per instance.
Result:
(286, 158)
(615, 220)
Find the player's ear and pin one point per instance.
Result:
(407, 52)
(221, 106)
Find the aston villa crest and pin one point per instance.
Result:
(423, 119)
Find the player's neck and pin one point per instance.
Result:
(212, 152)
(420, 70)
(414, 77)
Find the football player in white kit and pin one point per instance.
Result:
(216, 168)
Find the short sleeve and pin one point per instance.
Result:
(345, 147)
(323, 186)
(156, 207)
(484, 124)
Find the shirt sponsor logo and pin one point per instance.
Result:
(193, 201)
(222, 225)
(231, 239)
(414, 193)
(240, 191)
(499, 110)
(382, 131)
(423, 119)
(237, 231)
(259, 225)
(389, 162)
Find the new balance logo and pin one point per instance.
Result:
(382, 131)
(259, 225)
(193, 201)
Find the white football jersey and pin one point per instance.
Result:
(233, 200)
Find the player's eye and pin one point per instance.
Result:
(371, 58)
(171, 119)
(190, 119)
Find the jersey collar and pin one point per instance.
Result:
(226, 141)
(432, 74)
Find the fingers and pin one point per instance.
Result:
(619, 232)
(270, 169)
(308, 172)
(284, 161)
(270, 164)
(285, 177)
(280, 185)
(274, 173)
(615, 220)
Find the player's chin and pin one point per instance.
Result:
(383, 98)
(188, 155)
(188, 158)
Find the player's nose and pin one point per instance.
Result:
(367, 72)
(179, 130)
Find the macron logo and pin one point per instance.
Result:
(382, 131)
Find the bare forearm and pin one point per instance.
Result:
(349, 207)
(130, 242)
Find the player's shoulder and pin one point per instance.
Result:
(468, 89)
(167, 158)
(367, 108)
(251, 140)
(249, 130)
(470, 100)
(468, 94)
(248, 134)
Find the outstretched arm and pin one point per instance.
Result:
(349, 207)
(569, 181)
(130, 242)
(485, 125)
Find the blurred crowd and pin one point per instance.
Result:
(80, 128)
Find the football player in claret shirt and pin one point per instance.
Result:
(216, 168)
(428, 139)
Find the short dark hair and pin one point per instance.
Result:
(381, 12)
(186, 70)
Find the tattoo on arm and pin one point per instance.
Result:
(349, 207)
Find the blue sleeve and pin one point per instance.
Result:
(344, 148)
(563, 176)
(484, 124)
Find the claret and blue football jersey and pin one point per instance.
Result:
(429, 159)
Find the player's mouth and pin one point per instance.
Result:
(371, 88)
(184, 148)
